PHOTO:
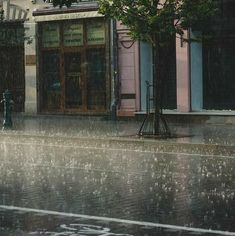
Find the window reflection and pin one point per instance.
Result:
(73, 96)
(51, 81)
(96, 78)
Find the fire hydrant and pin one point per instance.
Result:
(8, 106)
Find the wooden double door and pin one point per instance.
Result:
(74, 80)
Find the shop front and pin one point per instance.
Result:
(73, 65)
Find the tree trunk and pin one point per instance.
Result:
(159, 74)
(157, 89)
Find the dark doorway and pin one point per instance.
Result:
(12, 68)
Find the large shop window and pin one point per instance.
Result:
(96, 78)
(51, 80)
(219, 75)
(73, 82)
(74, 66)
(219, 61)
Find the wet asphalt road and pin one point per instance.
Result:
(55, 189)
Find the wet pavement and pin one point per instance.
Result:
(188, 138)
(101, 127)
(52, 183)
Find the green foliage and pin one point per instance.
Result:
(61, 3)
(149, 20)
(158, 22)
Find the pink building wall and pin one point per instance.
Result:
(128, 57)
(182, 76)
(129, 74)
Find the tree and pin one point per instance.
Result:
(156, 22)
(62, 3)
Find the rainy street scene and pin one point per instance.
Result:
(67, 176)
(117, 118)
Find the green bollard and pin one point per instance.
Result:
(8, 106)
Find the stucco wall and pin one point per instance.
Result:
(182, 75)
(128, 54)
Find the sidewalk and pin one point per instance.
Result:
(191, 138)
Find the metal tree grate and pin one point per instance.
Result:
(147, 127)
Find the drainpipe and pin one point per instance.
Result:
(189, 69)
(115, 75)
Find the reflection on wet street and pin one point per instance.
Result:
(70, 190)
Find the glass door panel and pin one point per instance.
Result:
(96, 79)
(51, 81)
(73, 89)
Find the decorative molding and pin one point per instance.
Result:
(64, 16)
(13, 12)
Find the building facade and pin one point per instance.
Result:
(200, 75)
(78, 62)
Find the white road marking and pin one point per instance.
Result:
(121, 221)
